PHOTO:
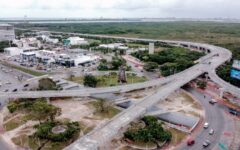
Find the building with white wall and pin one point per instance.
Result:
(12, 51)
(49, 40)
(7, 32)
(75, 41)
(114, 46)
(27, 42)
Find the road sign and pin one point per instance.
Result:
(222, 146)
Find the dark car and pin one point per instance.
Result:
(233, 112)
(15, 90)
(26, 85)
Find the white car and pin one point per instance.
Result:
(211, 132)
(206, 125)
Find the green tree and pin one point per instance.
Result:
(150, 66)
(90, 81)
(4, 44)
(44, 111)
(152, 132)
(201, 84)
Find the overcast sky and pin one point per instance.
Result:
(120, 8)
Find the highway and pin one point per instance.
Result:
(102, 134)
(215, 118)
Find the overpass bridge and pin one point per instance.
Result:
(102, 134)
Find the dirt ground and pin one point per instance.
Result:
(73, 110)
(182, 102)
(77, 110)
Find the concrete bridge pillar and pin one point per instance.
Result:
(48, 100)
(206, 77)
(221, 92)
(151, 48)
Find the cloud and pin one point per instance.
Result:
(120, 8)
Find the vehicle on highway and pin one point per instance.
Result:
(190, 142)
(212, 101)
(15, 90)
(26, 85)
(206, 143)
(233, 111)
(6, 90)
(211, 132)
(206, 125)
(7, 82)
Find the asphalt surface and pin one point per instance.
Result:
(4, 145)
(214, 116)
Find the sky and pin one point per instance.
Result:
(120, 8)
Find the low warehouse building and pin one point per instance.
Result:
(75, 41)
(13, 51)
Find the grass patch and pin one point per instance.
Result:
(110, 80)
(144, 144)
(21, 140)
(14, 123)
(28, 71)
(34, 143)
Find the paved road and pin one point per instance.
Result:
(102, 134)
(215, 118)
(4, 145)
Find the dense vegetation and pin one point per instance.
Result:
(112, 65)
(90, 81)
(151, 132)
(3, 44)
(170, 61)
(166, 30)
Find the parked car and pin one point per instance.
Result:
(206, 143)
(211, 132)
(212, 101)
(206, 125)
